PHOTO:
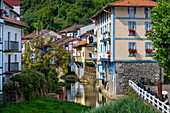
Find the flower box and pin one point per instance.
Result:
(148, 50)
(132, 51)
(132, 31)
(148, 31)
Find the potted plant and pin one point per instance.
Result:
(108, 56)
(132, 51)
(95, 51)
(108, 51)
(2, 11)
(102, 73)
(148, 50)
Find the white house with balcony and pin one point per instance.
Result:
(11, 32)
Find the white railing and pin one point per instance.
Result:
(150, 98)
(103, 55)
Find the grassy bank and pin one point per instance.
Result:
(44, 105)
(124, 105)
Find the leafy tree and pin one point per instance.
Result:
(160, 35)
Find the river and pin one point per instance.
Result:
(85, 94)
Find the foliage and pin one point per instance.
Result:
(90, 64)
(63, 84)
(31, 82)
(160, 35)
(43, 14)
(123, 105)
(44, 105)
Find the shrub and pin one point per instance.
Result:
(123, 105)
(90, 64)
(31, 82)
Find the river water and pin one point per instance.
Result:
(84, 94)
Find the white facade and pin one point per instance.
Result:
(10, 43)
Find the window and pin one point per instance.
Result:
(101, 30)
(132, 49)
(147, 12)
(83, 54)
(148, 49)
(15, 58)
(131, 12)
(132, 28)
(15, 36)
(105, 17)
(148, 26)
(9, 36)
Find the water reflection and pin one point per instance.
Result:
(84, 94)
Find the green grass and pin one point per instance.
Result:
(124, 105)
(44, 105)
(63, 84)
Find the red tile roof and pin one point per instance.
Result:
(15, 21)
(71, 39)
(135, 3)
(35, 35)
(84, 42)
(72, 28)
(13, 2)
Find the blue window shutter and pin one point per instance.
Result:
(135, 10)
(135, 25)
(128, 25)
(128, 10)
(145, 10)
(101, 47)
(105, 17)
(145, 26)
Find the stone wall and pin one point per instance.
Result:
(134, 71)
(13, 96)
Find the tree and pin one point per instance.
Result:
(160, 35)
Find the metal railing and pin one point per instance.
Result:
(12, 67)
(103, 55)
(150, 98)
(11, 46)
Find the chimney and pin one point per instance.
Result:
(23, 34)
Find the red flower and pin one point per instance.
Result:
(149, 31)
(108, 51)
(132, 51)
(148, 50)
(132, 31)
(108, 56)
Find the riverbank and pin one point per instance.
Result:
(123, 105)
(44, 105)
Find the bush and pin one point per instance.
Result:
(31, 82)
(123, 105)
(90, 64)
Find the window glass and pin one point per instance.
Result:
(147, 12)
(131, 12)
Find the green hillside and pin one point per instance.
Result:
(43, 14)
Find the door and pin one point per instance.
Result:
(9, 63)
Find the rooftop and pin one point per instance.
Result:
(135, 3)
(72, 28)
(15, 21)
(81, 43)
(13, 2)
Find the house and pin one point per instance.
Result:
(11, 32)
(123, 52)
(46, 34)
(84, 48)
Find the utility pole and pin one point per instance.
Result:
(58, 12)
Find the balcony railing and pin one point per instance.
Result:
(104, 55)
(11, 46)
(12, 67)
(105, 37)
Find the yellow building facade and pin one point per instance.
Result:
(123, 51)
